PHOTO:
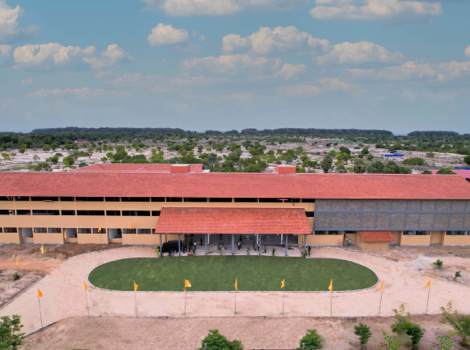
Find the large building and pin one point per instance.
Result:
(150, 203)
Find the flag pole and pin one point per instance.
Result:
(235, 303)
(184, 301)
(44, 261)
(427, 303)
(18, 264)
(331, 304)
(87, 307)
(380, 304)
(135, 303)
(283, 299)
(39, 304)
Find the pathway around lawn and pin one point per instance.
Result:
(64, 294)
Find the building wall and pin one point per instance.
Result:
(325, 240)
(437, 237)
(456, 240)
(415, 240)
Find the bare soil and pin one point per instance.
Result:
(255, 333)
(9, 288)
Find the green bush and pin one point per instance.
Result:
(404, 325)
(414, 161)
(216, 341)
(427, 172)
(16, 276)
(10, 336)
(312, 340)
(439, 263)
(445, 171)
(363, 332)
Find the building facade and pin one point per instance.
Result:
(150, 204)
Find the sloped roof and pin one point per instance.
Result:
(229, 220)
(376, 236)
(234, 185)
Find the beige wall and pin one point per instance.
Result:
(94, 238)
(415, 240)
(456, 240)
(10, 238)
(352, 237)
(325, 240)
(374, 245)
(48, 238)
(438, 236)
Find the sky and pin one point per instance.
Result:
(397, 65)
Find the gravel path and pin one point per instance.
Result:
(64, 294)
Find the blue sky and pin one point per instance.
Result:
(232, 64)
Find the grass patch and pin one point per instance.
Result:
(218, 273)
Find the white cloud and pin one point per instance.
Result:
(113, 55)
(221, 7)
(83, 93)
(373, 10)
(27, 82)
(45, 55)
(9, 27)
(234, 64)
(290, 71)
(167, 35)
(360, 52)
(279, 39)
(5, 51)
(467, 51)
(410, 70)
(305, 90)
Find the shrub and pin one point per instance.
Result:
(16, 276)
(427, 172)
(443, 343)
(216, 341)
(274, 251)
(312, 340)
(10, 336)
(363, 332)
(430, 155)
(445, 171)
(439, 263)
(414, 161)
(405, 326)
(459, 323)
(391, 342)
(457, 275)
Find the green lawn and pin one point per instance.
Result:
(218, 273)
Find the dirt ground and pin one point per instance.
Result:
(9, 288)
(255, 333)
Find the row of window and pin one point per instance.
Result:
(83, 212)
(158, 199)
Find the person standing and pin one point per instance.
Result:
(239, 244)
(254, 246)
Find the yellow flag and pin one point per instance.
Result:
(99, 229)
(42, 249)
(282, 284)
(331, 286)
(39, 294)
(135, 287)
(382, 287)
(132, 225)
(236, 284)
(65, 235)
(16, 262)
(187, 284)
(428, 285)
(84, 285)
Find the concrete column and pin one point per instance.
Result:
(259, 252)
(233, 244)
(161, 248)
(305, 243)
(207, 238)
(286, 243)
(179, 244)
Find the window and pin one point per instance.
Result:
(90, 212)
(456, 233)
(103, 230)
(220, 200)
(158, 199)
(335, 232)
(113, 213)
(246, 200)
(113, 199)
(55, 230)
(349, 231)
(22, 199)
(40, 230)
(416, 233)
(155, 212)
(195, 200)
(321, 232)
(45, 199)
(23, 212)
(7, 212)
(89, 199)
(68, 212)
(292, 200)
(66, 199)
(310, 214)
(174, 199)
(4, 198)
(422, 233)
(10, 230)
(84, 230)
(144, 231)
(135, 213)
(270, 200)
(308, 200)
(1, 230)
(128, 231)
(135, 199)
(45, 212)
(409, 233)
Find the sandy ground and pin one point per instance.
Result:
(255, 333)
(9, 288)
(64, 294)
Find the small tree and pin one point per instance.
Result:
(216, 341)
(467, 160)
(405, 326)
(445, 171)
(443, 343)
(391, 342)
(312, 340)
(439, 263)
(10, 336)
(460, 324)
(363, 332)
(430, 155)
(457, 275)
(68, 161)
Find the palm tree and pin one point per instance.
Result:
(460, 324)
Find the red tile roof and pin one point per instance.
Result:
(376, 236)
(233, 185)
(228, 220)
(135, 168)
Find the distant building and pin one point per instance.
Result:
(80, 141)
